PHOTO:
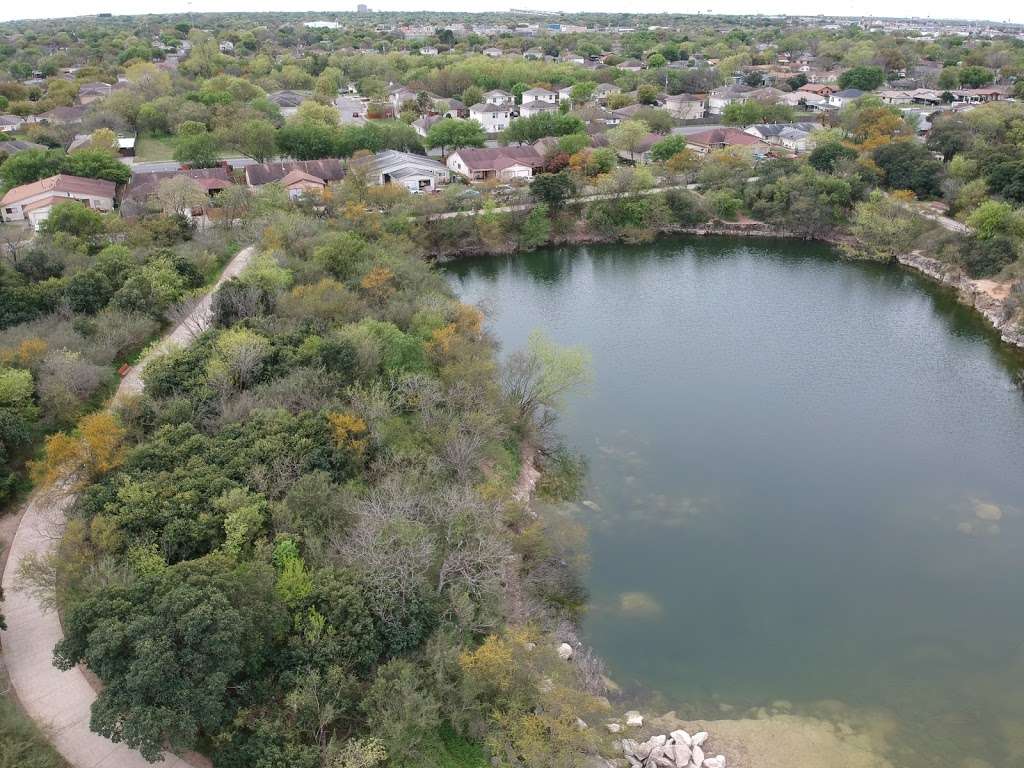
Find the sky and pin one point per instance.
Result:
(996, 10)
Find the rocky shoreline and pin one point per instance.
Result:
(994, 301)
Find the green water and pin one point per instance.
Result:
(795, 467)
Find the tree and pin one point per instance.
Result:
(667, 148)
(862, 78)
(535, 228)
(909, 165)
(178, 195)
(552, 189)
(97, 164)
(884, 228)
(975, 76)
(582, 91)
(827, 155)
(171, 646)
(628, 137)
(452, 133)
(401, 712)
(29, 166)
(308, 141)
(647, 94)
(73, 218)
(658, 120)
(527, 130)
(254, 138)
(197, 151)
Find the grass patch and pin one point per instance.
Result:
(22, 744)
(453, 751)
(152, 149)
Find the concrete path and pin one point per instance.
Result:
(60, 701)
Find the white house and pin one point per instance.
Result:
(493, 117)
(498, 97)
(33, 202)
(494, 53)
(686, 106)
(414, 172)
(531, 108)
(10, 123)
(428, 50)
(839, 99)
(540, 94)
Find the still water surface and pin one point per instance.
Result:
(806, 483)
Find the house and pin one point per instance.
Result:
(401, 95)
(534, 54)
(565, 94)
(531, 108)
(143, 186)
(630, 65)
(641, 154)
(704, 142)
(819, 89)
(977, 95)
(496, 162)
(414, 172)
(493, 117)
(720, 98)
(498, 97)
(288, 101)
(33, 202)
(328, 170)
(804, 100)
(540, 94)
(423, 124)
(494, 53)
(428, 50)
(896, 97)
(60, 116)
(839, 99)
(10, 123)
(90, 92)
(450, 108)
(297, 183)
(11, 148)
(597, 117)
(604, 90)
(686, 106)
(793, 136)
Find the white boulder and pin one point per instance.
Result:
(699, 738)
(634, 719)
(681, 737)
(718, 761)
(613, 727)
(680, 755)
(565, 651)
(581, 724)
(697, 757)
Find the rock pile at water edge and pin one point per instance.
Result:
(677, 750)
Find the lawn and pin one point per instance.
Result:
(149, 149)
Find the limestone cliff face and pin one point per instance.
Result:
(994, 301)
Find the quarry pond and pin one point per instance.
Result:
(805, 493)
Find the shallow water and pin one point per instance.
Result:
(806, 483)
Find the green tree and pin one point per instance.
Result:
(862, 78)
(452, 133)
(975, 76)
(308, 141)
(401, 712)
(668, 148)
(527, 130)
(909, 165)
(75, 219)
(97, 164)
(197, 151)
(31, 165)
(254, 138)
(827, 155)
(628, 137)
(552, 189)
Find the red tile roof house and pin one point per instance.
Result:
(496, 162)
(719, 138)
(33, 202)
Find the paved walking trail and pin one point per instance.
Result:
(60, 701)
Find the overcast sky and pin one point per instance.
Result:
(998, 10)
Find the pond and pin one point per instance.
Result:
(805, 484)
